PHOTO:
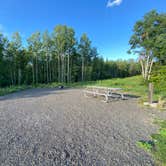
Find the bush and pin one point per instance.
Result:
(159, 79)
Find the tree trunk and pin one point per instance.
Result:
(68, 69)
(14, 73)
(36, 69)
(19, 76)
(43, 80)
(143, 72)
(59, 69)
(62, 76)
(70, 72)
(55, 71)
(11, 77)
(14, 77)
(150, 95)
(147, 67)
(50, 70)
(33, 70)
(47, 68)
(150, 70)
(82, 68)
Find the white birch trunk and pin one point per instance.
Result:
(142, 66)
(150, 70)
(147, 67)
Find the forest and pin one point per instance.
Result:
(59, 56)
(56, 56)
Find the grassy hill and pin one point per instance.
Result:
(131, 85)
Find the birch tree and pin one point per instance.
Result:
(146, 37)
(46, 48)
(84, 50)
(14, 50)
(59, 41)
(70, 43)
(34, 44)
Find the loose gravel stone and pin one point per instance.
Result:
(62, 127)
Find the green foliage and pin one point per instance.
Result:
(150, 35)
(149, 42)
(158, 144)
(159, 79)
(130, 85)
(146, 145)
(161, 123)
(56, 57)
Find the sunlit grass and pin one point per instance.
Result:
(130, 85)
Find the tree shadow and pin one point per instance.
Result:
(132, 96)
(117, 96)
(34, 93)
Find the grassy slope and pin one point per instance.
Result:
(132, 85)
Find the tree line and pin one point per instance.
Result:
(56, 57)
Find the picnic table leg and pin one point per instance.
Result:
(85, 94)
(106, 98)
(95, 93)
(122, 96)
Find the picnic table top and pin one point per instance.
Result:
(106, 88)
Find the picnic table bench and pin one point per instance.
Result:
(105, 92)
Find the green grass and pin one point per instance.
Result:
(131, 85)
(157, 146)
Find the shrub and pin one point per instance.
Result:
(159, 79)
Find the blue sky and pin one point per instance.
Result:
(109, 25)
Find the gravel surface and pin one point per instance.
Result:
(62, 127)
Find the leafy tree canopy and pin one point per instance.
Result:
(150, 35)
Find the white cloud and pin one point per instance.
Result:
(112, 3)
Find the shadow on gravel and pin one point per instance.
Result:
(132, 96)
(36, 92)
(40, 92)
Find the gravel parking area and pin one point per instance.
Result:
(62, 127)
